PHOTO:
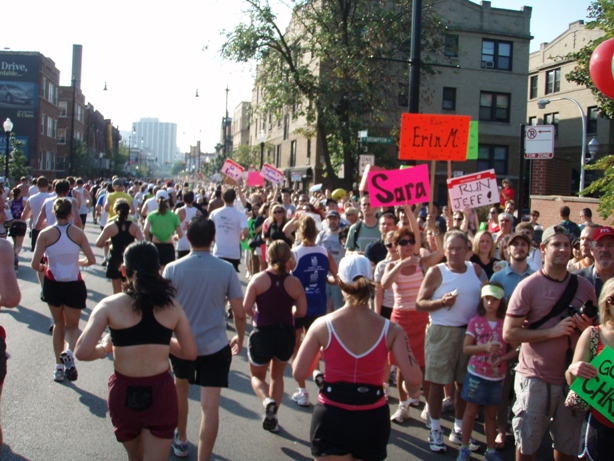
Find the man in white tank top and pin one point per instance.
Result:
(186, 213)
(450, 293)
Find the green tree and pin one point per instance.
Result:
(18, 163)
(246, 156)
(323, 67)
(602, 14)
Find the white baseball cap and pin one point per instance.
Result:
(353, 266)
(162, 195)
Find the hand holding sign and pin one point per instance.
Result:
(232, 169)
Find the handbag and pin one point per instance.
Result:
(573, 400)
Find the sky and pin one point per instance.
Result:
(153, 56)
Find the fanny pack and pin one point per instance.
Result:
(352, 393)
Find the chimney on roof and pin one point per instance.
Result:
(77, 59)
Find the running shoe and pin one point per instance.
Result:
(447, 405)
(69, 365)
(401, 414)
(58, 374)
(301, 398)
(269, 421)
(426, 417)
(492, 455)
(436, 441)
(457, 438)
(104, 263)
(464, 454)
(180, 448)
(414, 402)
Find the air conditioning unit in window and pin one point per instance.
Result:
(488, 64)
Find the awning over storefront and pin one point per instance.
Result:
(298, 173)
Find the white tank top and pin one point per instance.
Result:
(466, 306)
(48, 205)
(83, 207)
(63, 256)
(182, 243)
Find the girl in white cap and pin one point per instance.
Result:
(486, 369)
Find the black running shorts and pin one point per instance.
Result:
(207, 370)
(69, 294)
(271, 341)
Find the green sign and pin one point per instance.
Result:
(376, 140)
(599, 391)
(472, 145)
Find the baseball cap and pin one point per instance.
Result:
(353, 266)
(601, 232)
(492, 290)
(1, 178)
(162, 195)
(118, 182)
(554, 230)
(333, 213)
(516, 235)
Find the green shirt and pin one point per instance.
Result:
(163, 225)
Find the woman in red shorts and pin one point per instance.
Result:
(405, 277)
(142, 396)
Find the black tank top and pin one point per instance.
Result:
(147, 331)
(120, 241)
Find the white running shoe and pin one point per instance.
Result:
(401, 414)
(301, 398)
(436, 441)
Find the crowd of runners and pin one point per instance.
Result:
(475, 311)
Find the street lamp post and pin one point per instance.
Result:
(542, 103)
(8, 127)
(262, 139)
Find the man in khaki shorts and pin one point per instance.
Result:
(450, 293)
(540, 374)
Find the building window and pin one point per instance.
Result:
(278, 156)
(50, 127)
(496, 54)
(449, 99)
(293, 153)
(51, 93)
(308, 162)
(532, 121)
(79, 113)
(494, 107)
(490, 156)
(60, 163)
(49, 160)
(63, 108)
(533, 87)
(61, 135)
(42, 123)
(44, 88)
(450, 48)
(591, 120)
(553, 81)
(286, 126)
(553, 119)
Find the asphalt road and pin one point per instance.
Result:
(45, 421)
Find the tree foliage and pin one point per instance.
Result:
(18, 163)
(602, 14)
(329, 66)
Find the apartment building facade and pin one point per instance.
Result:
(568, 102)
(491, 48)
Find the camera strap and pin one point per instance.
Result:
(562, 304)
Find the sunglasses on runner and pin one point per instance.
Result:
(405, 242)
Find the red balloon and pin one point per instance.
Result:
(600, 67)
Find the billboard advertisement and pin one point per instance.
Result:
(19, 93)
